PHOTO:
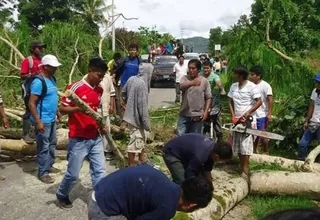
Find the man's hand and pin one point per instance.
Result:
(105, 130)
(204, 116)
(269, 117)
(40, 127)
(5, 122)
(305, 125)
(246, 114)
(123, 126)
(59, 117)
(196, 82)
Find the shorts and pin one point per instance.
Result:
(262, 123)
(137, 140)
(243, 143)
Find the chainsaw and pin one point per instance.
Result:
(243, 126)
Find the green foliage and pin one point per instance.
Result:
(215, 37)
(264, 205)
(260, 166)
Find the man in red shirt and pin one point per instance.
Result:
(84, 136)
(30, 66)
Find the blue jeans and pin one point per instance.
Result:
(187, 125)
(306, 139)
(80, 149)
(46, 145)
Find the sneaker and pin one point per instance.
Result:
(46, 179)
(109, 156)
(64, 203)
(2, 178)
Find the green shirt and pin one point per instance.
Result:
(213, 78)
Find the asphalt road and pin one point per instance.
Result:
(24, 197)
(162, 96)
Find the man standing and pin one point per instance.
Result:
(145, 193)
(244, 100)
(312, 122)
(263, 114)
(191, 155)
(180, 69)
(5, 123)
(43, 105)
(30, 66)
(196, 100)
(84, 137)
(135, 95)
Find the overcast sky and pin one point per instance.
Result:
(196, 17)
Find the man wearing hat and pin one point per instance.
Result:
(30, 66)
(43, 107)
(312, 122)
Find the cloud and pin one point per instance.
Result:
(196, 26)
(226, 20)
(149, 6)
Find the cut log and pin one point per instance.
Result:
(286, 183)
(31, 149)
(311, 159)
(99, 119)
(295, 165)
(227, 194)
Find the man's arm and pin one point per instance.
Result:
(194, 168)
(207, 168)
(270, 106)
(143, 108)
(256, 105)
(185, 84)
(231, 107)
(309, 114)
(66, 110)
(24, 70)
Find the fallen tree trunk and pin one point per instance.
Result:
(295, 165)
(286, 183)
(99, 119)
(227, 194)
(309, 163)
(31, 149)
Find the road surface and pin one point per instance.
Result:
(24, 197)
(161, 96)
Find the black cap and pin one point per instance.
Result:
(38, 44)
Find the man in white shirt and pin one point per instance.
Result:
(312, 122)
(180, 69)
(244, 100)
(263, 114)
(217, 65)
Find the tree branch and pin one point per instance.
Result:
(75, 62)
(13, 47)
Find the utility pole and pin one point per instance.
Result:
(113, 29)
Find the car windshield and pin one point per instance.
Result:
(165, 59)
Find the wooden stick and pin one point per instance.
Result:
(99, 119)
(13, 47)
(75, 62)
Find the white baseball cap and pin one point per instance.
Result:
(50, 60)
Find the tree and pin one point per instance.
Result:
(6, 12)
(214, 38)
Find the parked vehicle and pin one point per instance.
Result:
(163, 69)
(144, 57)
(190, 56)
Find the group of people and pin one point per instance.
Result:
(246, 98)
(172, 47)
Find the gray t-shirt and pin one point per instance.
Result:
(193, 99)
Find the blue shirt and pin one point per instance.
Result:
(193, 150)
(138, 193)
(169, 48)
(131, 68)
(49, 102)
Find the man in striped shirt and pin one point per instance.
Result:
(5, 123)
(84, 136)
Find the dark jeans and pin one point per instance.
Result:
(306, 139)
(175, 167)
(178, 92)
(95, 213)
(187, 125)
(46, 145)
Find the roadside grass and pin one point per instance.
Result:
(261, 206)
(267, 167)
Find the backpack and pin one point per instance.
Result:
(27, 90)
(30, 60)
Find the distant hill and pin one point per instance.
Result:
(200, 44)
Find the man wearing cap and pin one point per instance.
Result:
(30, 66)
(312, 122)
(43, 111)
